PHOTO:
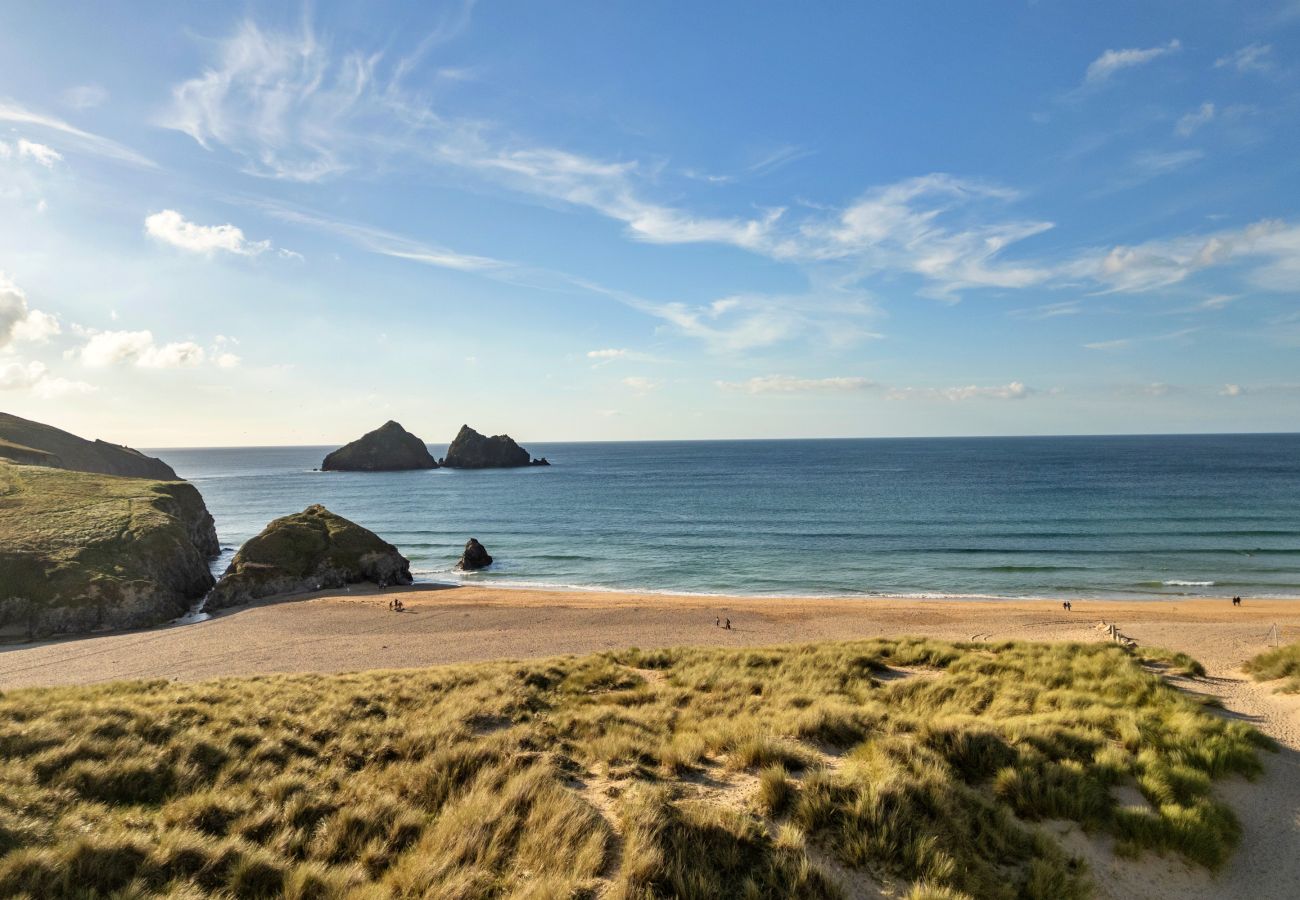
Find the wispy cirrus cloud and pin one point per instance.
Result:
(1189, 123)
(1015, 390)
(1251, 58)
(1126, 343)
(80, 139)
(787, 384)
(1104, 67)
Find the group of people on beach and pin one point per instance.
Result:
(1067, 605)
(395, 605)
(1236, 601)
(719, 622)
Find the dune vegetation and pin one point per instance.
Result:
(780, 772)
(1280, 662)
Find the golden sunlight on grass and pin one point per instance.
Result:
(691, 773)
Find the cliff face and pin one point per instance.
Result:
(471, 450)
(308, 551)
(389, 448)
(82, 551)
(31, 443)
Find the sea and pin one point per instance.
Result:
(1127, 517)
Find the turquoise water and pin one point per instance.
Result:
(1082, 516)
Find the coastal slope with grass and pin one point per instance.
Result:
(795, 771)
(82, 551)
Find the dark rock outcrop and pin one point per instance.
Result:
(389, 448)
(471, 450)
(474, 557)
(82, 551)
(31, 443)
(308, 551)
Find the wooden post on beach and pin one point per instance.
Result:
(1274, 635)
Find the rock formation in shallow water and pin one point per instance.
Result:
(308, 551)
(32, 443)
(471, 450)
(474, 557)
(82, 551)
(389, 448)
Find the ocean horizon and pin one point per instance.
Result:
(1131, 516)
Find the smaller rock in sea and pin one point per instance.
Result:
(474, 557)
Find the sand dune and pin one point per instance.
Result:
(354, 630)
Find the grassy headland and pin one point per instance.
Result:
(80, 551)
(693, 773)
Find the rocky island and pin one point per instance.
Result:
(389, 448)
(82, 551)
(471, 450)
(308, 551)
(32, 443)
(475, 557)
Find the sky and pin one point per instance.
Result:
(259, 224)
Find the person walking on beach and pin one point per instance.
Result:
(728, 625)
(717, 623)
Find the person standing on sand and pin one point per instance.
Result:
(717, 623)
(728, 625)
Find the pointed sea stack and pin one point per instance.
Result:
(471, 450)
(389, 448)
(474, 557)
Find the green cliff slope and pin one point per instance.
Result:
(82, 551)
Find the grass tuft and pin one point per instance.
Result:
(478, 781)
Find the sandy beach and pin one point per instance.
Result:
(349, 630)
(353, 629)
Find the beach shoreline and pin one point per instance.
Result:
(352, 629)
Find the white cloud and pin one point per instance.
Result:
(1126, 343)
(930, 226)
(1153, 163)
(227, 360)
(1231, 390)
(17, 375)
(1117, 344)
(34, 376)
(18, 322)
(1049, 310)
(36, 328)
(1015, 390)
(171, 227)
(1218, 301)
(786, 384)
(1103, 67)
(90, 143)
(642, 385)
(1188, 124)
(52, 387)
(40, 153)
(85, 96)
(385, 243)
(606, 354)
(137, 348)
(1251, 58)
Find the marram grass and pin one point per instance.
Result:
(683, 773)
(1280, 662)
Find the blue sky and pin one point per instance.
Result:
(283, 225)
